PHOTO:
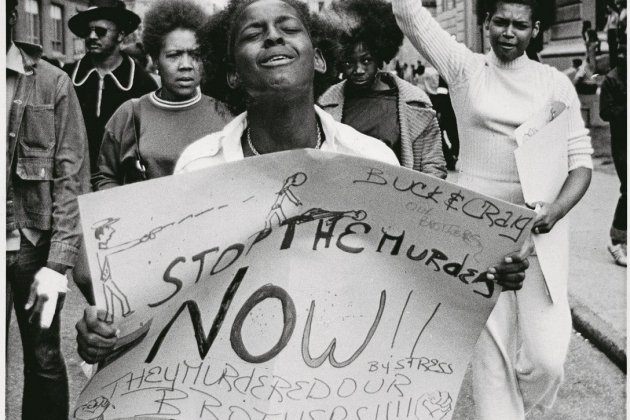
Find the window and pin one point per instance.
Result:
(79, 47)
(56, 17)
(33, 22)
(449, 4)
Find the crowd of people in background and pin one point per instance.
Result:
(263, 76)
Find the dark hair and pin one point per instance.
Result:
(543, 11)
(137, 52)
(586, 25)
(98, 232)
(167, 15)
(11, 4)
(216, 45)
(591, 35)
(373, 25)
(54, 61)
(577, 62)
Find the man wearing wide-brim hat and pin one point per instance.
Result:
(105, 77)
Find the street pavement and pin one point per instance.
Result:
(597, 287)
(594, 386)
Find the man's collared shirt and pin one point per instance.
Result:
(225, 145)
(15, 67)
(101, 95)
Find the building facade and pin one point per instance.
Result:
(459, 18)
(565, 37)
(45, 22)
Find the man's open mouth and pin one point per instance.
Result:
(276, 60)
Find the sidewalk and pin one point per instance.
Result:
(597, 287)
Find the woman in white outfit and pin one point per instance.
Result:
(518, 363)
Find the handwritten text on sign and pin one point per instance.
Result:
(301, 285)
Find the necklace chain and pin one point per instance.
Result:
(256, 153)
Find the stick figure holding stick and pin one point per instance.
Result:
(103, 232)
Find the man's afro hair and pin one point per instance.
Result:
(216, 45)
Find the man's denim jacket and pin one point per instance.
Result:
(47, 166)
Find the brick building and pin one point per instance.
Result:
(45, 22)
(565, 37)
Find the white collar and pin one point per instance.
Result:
(132, 71)
(233, 132)
(517, 63)
(162, 103)
(14, 60)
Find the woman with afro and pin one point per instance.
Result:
(378, 103)
(145, 136)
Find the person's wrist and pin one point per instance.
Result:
(559, 210)
(48, 276)
(58, 267)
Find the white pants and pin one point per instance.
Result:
(518, 362)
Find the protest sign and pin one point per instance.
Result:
(299, 285)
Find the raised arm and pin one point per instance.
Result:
(449, 57)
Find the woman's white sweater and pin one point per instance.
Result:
(492, 98)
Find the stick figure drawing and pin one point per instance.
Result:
(103, 232)
(276, 212)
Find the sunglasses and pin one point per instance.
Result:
(98, 30)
